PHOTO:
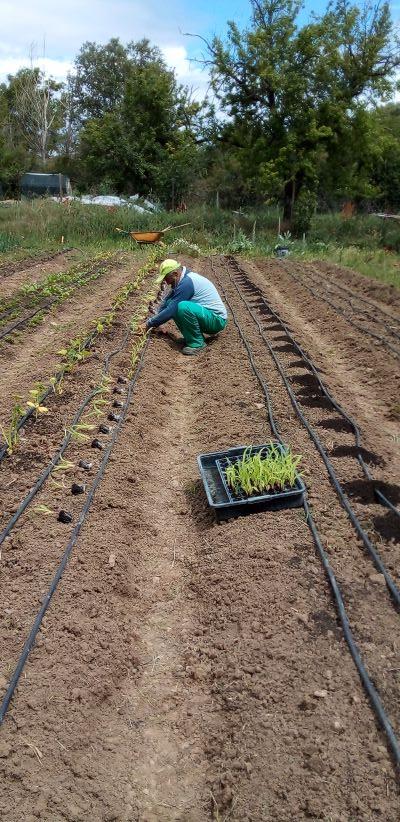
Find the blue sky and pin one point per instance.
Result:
(54, 32)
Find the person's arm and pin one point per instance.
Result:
(183, 291)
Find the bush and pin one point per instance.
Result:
(303, 211)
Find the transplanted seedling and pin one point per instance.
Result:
(34, 402)
(43, 510)
(270, 470)
(10, 434)
(78, 431)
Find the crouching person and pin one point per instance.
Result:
(193, 303)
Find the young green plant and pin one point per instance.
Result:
(269, 470)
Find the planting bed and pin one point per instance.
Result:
(188, 669)
(29, 270)
(33, 356)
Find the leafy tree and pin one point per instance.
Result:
(143, 137)
(295, 96)
(13, 154)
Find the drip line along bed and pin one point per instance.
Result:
(119, 398)
(190, 669)
(43, 306)
(373, 323)
(241, 282)
(7, 269)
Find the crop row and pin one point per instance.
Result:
(77, 350)
(55, 289)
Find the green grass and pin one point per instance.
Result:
(377, 263)
(366, 244)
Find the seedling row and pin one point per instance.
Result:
(48, 294)
(76, 351)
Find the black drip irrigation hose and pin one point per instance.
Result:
(68, 550)
(368, 685)
(24, 320)
(30, 412)
(67, 439)
(356, 431)
(372, 551)
(329, 286)
(7, 313)
(73, 287)
(58, 376)
(342, 313)
(353, 295)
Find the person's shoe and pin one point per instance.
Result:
(189, 351)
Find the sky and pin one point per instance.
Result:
(53, 33)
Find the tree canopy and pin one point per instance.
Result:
(302, 114)
(299, 100)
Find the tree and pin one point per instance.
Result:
(295, 95)
(35, 111)
(141, 138)
(99, 79)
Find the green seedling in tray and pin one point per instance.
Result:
(269, 471)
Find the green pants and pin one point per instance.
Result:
(193, 321)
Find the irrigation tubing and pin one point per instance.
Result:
(58, 377)
(24, 320)
(379, 565)
(340, 311)
(6, 313)
(67, 439)
(359, 297)
(356, 431)
(351, 295)
(68, 550)
(49, 303)
(350, 299)
(368, 685)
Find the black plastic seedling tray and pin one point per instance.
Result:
(228, 504)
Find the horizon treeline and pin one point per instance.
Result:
(300, 114)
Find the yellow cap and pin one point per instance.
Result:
(167, 267)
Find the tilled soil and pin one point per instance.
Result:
(189, 669)
(33, 357)
(14, 275)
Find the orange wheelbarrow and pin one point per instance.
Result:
(150, 236)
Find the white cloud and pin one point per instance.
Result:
(53, 68)
(55, 34)
(187, 72)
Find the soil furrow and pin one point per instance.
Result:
(189, 669)
(353, 567)
(35, 357)
(15, 275)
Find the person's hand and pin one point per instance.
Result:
(141, 328)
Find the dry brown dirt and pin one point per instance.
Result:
(27, 272)
(189, 669)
